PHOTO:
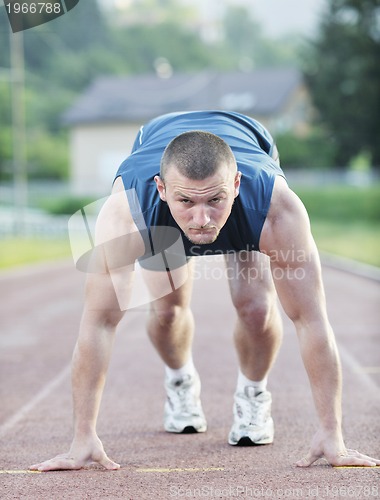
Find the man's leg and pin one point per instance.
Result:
(258, 330)
(257, 336)
(171, 329)
(170, 323)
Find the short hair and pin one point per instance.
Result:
(197, 155)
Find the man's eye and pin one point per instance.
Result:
(185, 201)
(215, 200)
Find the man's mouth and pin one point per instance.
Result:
(206, 229)
(202, 235)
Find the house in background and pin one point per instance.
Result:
(107, 116)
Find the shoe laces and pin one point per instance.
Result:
(255, 410)
(182, 397)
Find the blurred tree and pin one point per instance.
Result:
(248, 48)
(152, 12)
(80, 29)
(314, 151)
(139, 46)
(241, 31)
(5, 128)
(5, 31)
(65, 55)
(47, 155)
(343, 71)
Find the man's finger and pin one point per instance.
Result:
(60, 465)
(354, 461)
(308, 460)
(34, 467)
(41, 464)
(109, 464)
(362, 456)
(56, 464)
(100, 457)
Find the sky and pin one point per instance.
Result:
(281, 17)
(278, 17)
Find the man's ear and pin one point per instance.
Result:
(160, 187)
(237, 183)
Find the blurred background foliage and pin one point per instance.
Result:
(341, 67)
(340, 63)
(343, 73)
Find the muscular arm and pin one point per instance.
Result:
(117, 247)
(296, 270)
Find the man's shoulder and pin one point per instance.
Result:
(286, 215)
(282, 198)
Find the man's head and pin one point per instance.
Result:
(199, 181)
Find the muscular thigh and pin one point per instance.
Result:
(249, 278)
(170, 289)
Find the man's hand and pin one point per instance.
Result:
(330, 446)
(80, 454)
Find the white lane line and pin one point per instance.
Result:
(371, 369)
(350, 266)
(28, 407)
(362, 374)
(27, 270)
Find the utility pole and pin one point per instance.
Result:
(20, 178)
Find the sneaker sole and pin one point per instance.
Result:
(189, 429)
(246, 441)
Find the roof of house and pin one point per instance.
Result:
(142, 97)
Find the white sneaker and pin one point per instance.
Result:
(253, 424)
(183, 409)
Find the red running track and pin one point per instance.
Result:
(40, 309)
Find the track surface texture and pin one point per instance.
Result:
(40, 309)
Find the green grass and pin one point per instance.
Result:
(345, 221)
(19, 251)
(358, 240)
(343, 204)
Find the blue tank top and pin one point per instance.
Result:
(252, 146)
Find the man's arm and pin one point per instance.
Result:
(296, 270)
(117, 243)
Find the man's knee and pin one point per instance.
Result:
(168, 315)
(106, 319)
(256, 313)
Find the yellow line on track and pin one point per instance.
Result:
(356, 466)
(188, 469)
(152, 469)
(180, 469)
(20, 472)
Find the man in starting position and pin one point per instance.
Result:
(213, 178)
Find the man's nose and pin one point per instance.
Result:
(201, 217)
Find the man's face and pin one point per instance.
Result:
(200, 208)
